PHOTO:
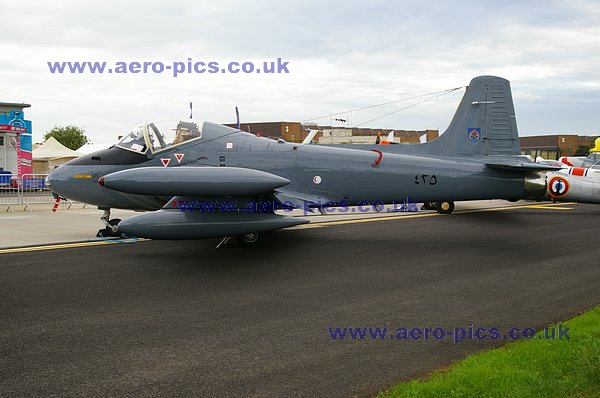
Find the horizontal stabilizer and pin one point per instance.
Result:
(516, 165)
(193, 181)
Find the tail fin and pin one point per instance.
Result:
(309, 137)
(484, 123)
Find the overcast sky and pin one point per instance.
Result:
(342, 55)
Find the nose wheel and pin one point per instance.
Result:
(112, 229)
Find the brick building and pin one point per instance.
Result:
(554, 146)
(296, 132)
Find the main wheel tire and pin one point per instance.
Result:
(249, 239)
(444, 207)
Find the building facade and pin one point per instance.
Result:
(289, 131)
(358, 135)
(554, 146)
(297, 132)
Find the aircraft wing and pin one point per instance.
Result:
(299, 200)
(206, 201)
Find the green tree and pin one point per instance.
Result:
(583, 150)
(72, 137)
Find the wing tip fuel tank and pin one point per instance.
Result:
(193, 181)
(174, 224)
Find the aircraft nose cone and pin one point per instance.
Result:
(55, 180)
(69, 182)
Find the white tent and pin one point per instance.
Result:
(52, 149)
(51, 154)
(89, 148)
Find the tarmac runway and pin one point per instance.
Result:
(183, 319)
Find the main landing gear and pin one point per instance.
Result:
(112, 229)
(428, 206)
(446, 207)
(244, 240)
(249, 239)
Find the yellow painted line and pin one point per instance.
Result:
(551, 207)
(545, 206)
(555, 206)
(365, 220)
(71, 245)
(400, 217)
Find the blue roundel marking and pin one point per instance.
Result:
(558, 186)
(474, 134)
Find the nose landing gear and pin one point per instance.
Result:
(112, 229)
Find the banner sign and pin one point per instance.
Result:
(13, 122)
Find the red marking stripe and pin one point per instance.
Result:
(578, 171)
(566, 161)
(56, 205)
(378, 160)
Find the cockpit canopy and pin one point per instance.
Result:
(592, 161)
(160, 135)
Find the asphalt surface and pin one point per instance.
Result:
(183, 319)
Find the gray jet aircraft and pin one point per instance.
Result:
(208, 180)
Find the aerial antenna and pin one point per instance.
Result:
(434, 94)
(237, 115)
(191, 110)
(439, 94)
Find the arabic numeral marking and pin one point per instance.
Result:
(426, 179)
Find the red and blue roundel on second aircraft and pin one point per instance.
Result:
(558, 187)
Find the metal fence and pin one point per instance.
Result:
(9, 192)
(25, 191)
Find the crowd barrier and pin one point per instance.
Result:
(25, 191)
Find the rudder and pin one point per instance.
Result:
(484, 123)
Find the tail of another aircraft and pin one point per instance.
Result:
(484, 123)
